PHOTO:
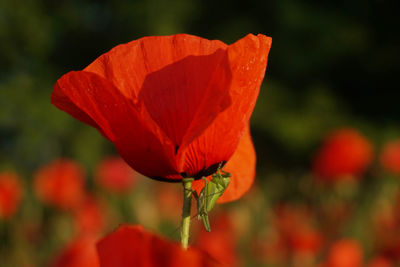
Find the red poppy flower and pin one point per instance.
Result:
(133, 246)
(115, 175)
(345, 253)
(81, 252)
(60, 183)
(174, 106)
(344, 153)
(390, 157)
(10, 194)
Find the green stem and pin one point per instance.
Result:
(187, 203)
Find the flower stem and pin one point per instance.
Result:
(187, 203)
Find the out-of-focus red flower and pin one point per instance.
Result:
(220, 243)
(132, 246)
(345, 253)
(89, 216)
(345, 153)
(174, 106)
(115, 175)
(390, 157)
(10, 194)
(60, 184)
(242, 166)
(81, 252)
(296, 228)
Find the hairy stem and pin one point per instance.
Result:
(187, 203)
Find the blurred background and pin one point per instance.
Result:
(330, 95)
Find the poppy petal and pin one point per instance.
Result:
(136, 140)
(133, 246)
(181, 80)
(242, 166)
(247, 59)
(64, 103)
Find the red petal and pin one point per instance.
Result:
(60, 100)
(181, 80)
(136, 140)
(133, 246)
(247, 59)
(242, 166)
(127, 65)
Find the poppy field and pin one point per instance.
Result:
(197, 133)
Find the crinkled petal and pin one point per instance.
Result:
(182, 80)
(147, 150)
(247, 59)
